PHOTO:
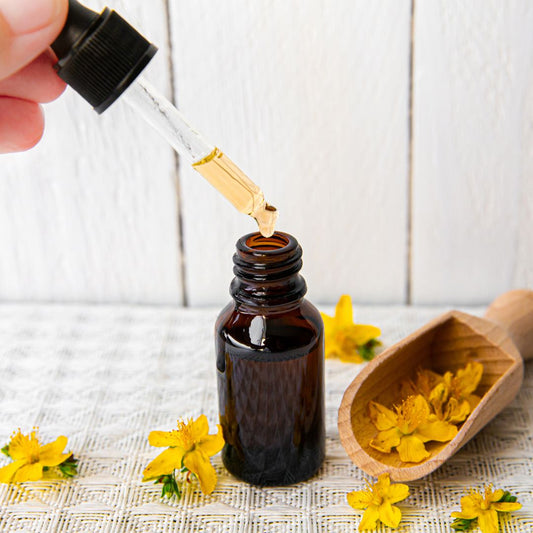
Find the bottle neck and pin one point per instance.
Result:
(267, 271)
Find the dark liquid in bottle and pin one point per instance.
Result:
(270, 367)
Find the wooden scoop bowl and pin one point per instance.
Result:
(501, 341)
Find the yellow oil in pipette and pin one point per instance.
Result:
(208, 160)
(223, 174)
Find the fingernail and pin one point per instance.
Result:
(27, 16)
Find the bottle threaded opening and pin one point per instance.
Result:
(277, 241)
(267, 258)
(267, 269)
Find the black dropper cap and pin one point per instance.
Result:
(100, 55)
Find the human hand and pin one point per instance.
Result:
(27, 28)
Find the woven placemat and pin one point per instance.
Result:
(105, 376)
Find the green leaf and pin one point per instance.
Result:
(507, 498)
(462, 524)
(69, 468)
(170, 486)
(366, 351)
(5, 450)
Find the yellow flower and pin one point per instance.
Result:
(426, 381)
(448, 408)
(484, 508)
(190, 447)
(30, 457)
(464, 383)
(378, 500)
(344, 339)
(407, 428)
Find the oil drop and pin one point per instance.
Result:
(223, 174)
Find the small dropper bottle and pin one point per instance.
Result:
(101, 56)
(269, 344)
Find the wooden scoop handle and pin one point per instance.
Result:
(513, 311)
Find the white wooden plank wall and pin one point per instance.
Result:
(312, 100)
(473, 150)
(90, 215)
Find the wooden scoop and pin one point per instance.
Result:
(501, 341)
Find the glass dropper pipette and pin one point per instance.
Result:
(101, 56)
(205, 158)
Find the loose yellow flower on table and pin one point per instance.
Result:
(484, 508)
(378, 500)
(407, 428)
(31, 459)
(346, 340)
(190, 447)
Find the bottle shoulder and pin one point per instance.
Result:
(270, 329)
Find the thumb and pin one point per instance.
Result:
(27, 28)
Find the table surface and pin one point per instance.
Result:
(105, 376)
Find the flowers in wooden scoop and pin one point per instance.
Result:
(348, 341)
(430, 410)
(32, 460)
(407, 428)
(189, 449)
(377, 499)
(484, 509)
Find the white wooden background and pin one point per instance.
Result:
(396, 139)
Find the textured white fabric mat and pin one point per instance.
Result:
(105, 376)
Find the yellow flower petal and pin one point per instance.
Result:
(329, 321)
(488, 521)
(21, 446)
(420, 408)
(389, 514)
(470, 506)
(7, 472)
(198, 463)
(163, 439)
(350, 357)
(437, 430)
(199, 428)
(506, 507)
(32, 472)
(342, 336)
(332, 349)
(426, 381)
(51, 454)
(473, 400)
(468, 378)
(412, 450)
(382, 417)
(212, 444)
(493, 496)
(381, 486)
(456, 412)
(359, 499)
(362, 333)
(370, 518)
(460, 514)
(386, 440)
(165, 463)
(344, 311)
(397, 492)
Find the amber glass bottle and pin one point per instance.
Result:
(270, 366)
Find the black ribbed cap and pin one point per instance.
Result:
(99, 56)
